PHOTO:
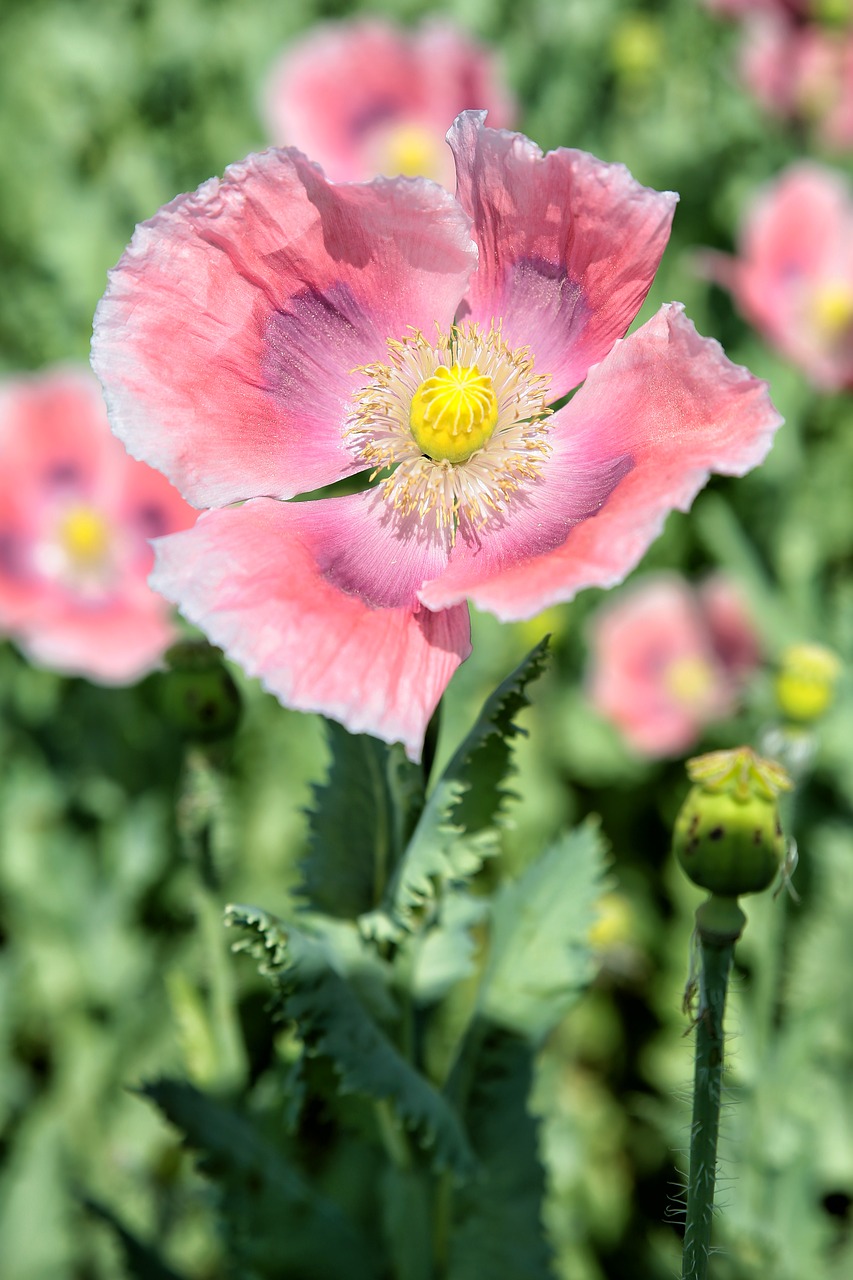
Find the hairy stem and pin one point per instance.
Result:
(715, 965)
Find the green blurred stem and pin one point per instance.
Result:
(715, 961)
(407, 1207)
(199, 808)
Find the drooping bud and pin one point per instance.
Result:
(728, 836)
(197, 694)
(805, 681)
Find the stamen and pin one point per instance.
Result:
(460, 423)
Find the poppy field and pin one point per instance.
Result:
(426, 616)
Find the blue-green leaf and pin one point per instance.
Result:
(333, 1022)
(360, 820)
(496, 1226)
(539, 953)
(460, 824)
(274, 1222)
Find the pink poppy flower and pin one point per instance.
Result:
(793, 278)
(824, 84)
(731, 628)
(76, 514)
(274, 333)
(802, 72)
(663, 667)
(367, 97)
(749, 8)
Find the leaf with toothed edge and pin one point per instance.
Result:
(359, 823)
(540, 957)
(141, 1261)
(274, 1222)
(460, 824)
(496, 1228)
(334, 1023)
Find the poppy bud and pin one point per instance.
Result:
(197, 694)
(728, 836)
(806, 681)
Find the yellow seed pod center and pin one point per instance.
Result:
(453, 413)
(85, 536)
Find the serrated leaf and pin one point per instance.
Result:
(360, 820)
(460, 824)
(141, 1261)
(497, 1228)
(539, 953)
(332, 1021)
(273, 1220)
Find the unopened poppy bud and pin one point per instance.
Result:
(806, 681)
(197, 694)
(728, 837)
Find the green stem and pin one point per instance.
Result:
(714, 967)
(198, 815)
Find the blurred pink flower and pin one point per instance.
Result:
(749, 8)
(667, 660)
(76, 514)
(274, 333)
(367, 97)
(802, 72)
(793, 278)
(731, 629)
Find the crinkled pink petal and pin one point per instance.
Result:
(228, 339)
(652, 421)
(569, 246)
(262, 581)
(638, 641)
(337, 92)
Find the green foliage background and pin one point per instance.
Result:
(109, 970)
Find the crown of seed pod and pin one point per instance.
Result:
(728, 836)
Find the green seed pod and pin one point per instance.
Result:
(728, 837)
(197, 694)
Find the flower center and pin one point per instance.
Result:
(690, 681)
(84, 536)
(453, 413)
(832, 309)
(460, 424)
(410, 150)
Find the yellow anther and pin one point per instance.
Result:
(453, 413)
(832, 308)
(84, 536)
